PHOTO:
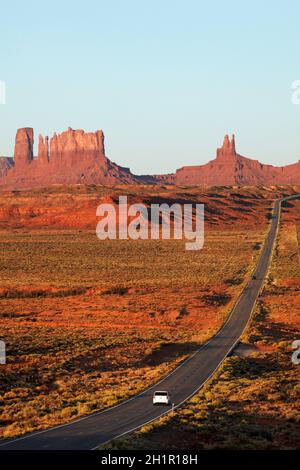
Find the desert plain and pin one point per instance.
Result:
(89, 323)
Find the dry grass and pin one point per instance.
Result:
(252, 402)
(89, 323)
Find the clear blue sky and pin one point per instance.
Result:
(165, 80)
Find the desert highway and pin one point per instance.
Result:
(93, 430)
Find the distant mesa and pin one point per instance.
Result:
(75, 156)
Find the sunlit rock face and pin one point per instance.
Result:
(230, 168)
(72, 157)
(75, 156)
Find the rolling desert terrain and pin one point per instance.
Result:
(252, 402)
(89, 323)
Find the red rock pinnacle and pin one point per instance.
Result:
(43, 151)
(228, 148)
(23, 147)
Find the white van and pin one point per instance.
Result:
(161, 398)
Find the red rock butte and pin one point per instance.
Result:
(230, 168)
(75, 156)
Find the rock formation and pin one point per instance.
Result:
(71, 157)
(23, 154)
(230, 168)
(43, 150)
(75, 156)
(227, 151)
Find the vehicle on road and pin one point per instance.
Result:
(161, 398)
(254, 277)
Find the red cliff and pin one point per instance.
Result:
(74, 156)
(23, 154)
(230, 168)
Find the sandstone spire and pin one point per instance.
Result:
(228, 148)
(43, 150)
(226, 142)
(233, 144)
(23, 154)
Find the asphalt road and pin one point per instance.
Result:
(91, 431)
